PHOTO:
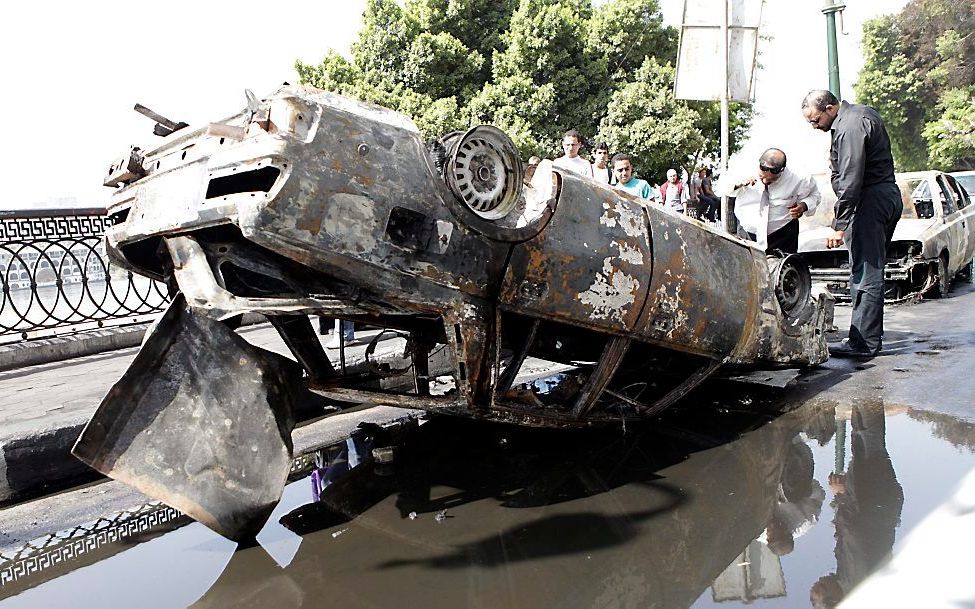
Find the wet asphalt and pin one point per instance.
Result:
(739, 496)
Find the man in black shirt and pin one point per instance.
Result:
(868, 205)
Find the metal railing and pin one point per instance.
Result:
(57, 551)
(56, 278)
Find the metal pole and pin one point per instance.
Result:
(839, 456)
(830, 11)
(726, 215)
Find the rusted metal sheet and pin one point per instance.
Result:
(705, 291)
(307, 203)
(591, 265)
(219, 451)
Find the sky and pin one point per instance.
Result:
(72, 73)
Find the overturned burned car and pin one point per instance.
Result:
(310, 203)
(934, 241)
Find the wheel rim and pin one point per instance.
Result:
(477, 175)
(485, 173)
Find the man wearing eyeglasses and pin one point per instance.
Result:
(769, 205)
(868, 206)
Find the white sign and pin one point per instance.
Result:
(699, 56)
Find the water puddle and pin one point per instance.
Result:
(709, 506)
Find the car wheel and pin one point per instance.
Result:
(966, 271)
(941, 289)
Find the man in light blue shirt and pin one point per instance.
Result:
(623, 170)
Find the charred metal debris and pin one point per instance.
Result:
(308, 203)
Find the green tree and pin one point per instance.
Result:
(626, 32)
(534, 68)
(520, 108)
(334, 73)
(478, 24)
(439, 65)
(709, 124)
(913, 61)
(546, 46)
(647, 122)
(889, 83)
(384, 42)
(951, 137)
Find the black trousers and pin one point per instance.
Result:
(867, 238)
(786, 239)
(710, 207)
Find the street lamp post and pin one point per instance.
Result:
(830, 11)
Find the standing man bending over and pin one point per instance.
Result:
(868, 205)
(571, 142)
(768, 206)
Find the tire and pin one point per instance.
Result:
(944, 281)
(966, 271)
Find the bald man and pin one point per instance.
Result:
(768, 206)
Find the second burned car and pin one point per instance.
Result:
(934, 241)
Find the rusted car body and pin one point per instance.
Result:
(307, 203)
(934, 241)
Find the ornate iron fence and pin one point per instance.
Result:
(97, 539)
(59, 549)
(57, 279)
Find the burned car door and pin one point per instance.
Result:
(967, 212)
(955, 227)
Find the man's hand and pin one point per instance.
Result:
(835, 240)
(797, 209)
(837, 483)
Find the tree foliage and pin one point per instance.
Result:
(534, 68)
(951, 136)
(646, 120)
(626, 32)
(918, 64)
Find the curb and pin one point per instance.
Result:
(58, 348)
(41, 463)
(79, 344)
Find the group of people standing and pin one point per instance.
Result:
(617, 171)
(768, 204)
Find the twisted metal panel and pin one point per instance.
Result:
(57, 279)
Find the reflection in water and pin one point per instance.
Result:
(868, 502)
(701, 508)
(959, 433)
(536, 518)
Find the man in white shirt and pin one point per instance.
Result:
(601, 170)
(673, 193)
(571, 142)
(768, 206)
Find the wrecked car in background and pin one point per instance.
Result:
(965, 179)
(308, 203)
(934, 241)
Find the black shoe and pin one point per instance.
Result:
(845, 349)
